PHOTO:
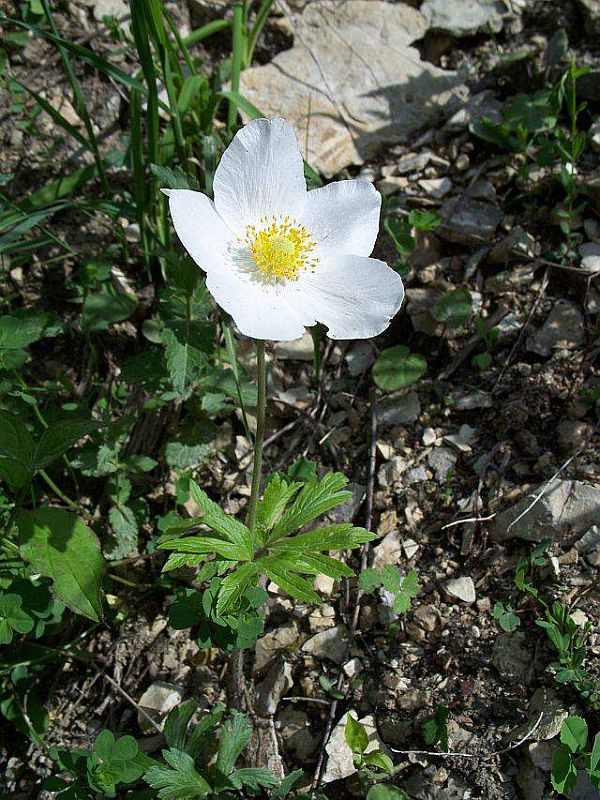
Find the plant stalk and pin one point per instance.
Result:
(237, 48)
(260, 434)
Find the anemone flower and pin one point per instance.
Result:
(279, 258)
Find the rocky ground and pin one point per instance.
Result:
(392, 90)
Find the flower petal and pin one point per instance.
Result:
(259, 310)
(201, 230)
(344, 217)
(261, 173)
(356, 297)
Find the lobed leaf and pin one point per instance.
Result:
(315, 499)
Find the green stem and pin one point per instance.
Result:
(61, 495)
(237, 47)
(260, 434)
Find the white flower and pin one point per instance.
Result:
(279, 258)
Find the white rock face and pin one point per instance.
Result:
(465, 17)
(340, 763)
(352, 82)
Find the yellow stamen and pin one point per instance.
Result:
(281, 248)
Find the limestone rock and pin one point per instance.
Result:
(468, 221)
(466, 17)
(567, 508)
(352, 83)
(331, 643)
(272, 643)
(340, 762)
(463, 588)
(564, 328)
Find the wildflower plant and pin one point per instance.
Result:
(280, 258)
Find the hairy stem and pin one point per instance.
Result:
(260, 434)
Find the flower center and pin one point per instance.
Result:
(281, 248)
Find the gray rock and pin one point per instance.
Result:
(389, 551)
(272, 643)
(294, 726)
(276, 683)
(398, 410)
(567, 508)
(108, 8)
(360, 357)
(348, 510)
(518, 241)
(297, 350)
(465, 17)
(340, 761)
(441, 460)
(158, 699)
(468, 221)
(590, 256)
(512, 657)
(436, 187)
(352, 83)
(463, 588)
(470, 400)
(419, 307)
(564, 328)
(331, 643)
(546, 703)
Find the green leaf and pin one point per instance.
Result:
(234, 585)
(369, 580)
(343, 536)
(574, 733)
(181, 782)
(279, 569)
(103, 309)
(235, 735)
(288, 783)
(507, 619)
(185, 364)
(224, 524)
(174, 178)
(401, 234)
(397, 368)
(19, 331)
(59, 438)
(176, 724)
(424, 220)
(379, 759)
(564, 770)
(314, 499)
(60, 545)
(203, 545)
(302, 470)
(277, 495)
(435, 729)
(356, 735)
(125, 531)
(253, 778)
(595, 754)
(409, 589)
(16, 451)
(453, 308)
(13, 617)
(384, 792)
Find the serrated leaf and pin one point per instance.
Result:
(224, 524)
(369, 580)
(203, 545)
(236, 733)
(316, 563)
(185, 364)
(574, 733)
(279, 569)
(397, 368)
(234, 585)
(174, 178)
(61, 546)
(253, 778)
(276, 497)
(181, 781)
(343, 536)
(59, 437)
(125, 530)
(595, 754)
(314, 499)
(355, 735)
